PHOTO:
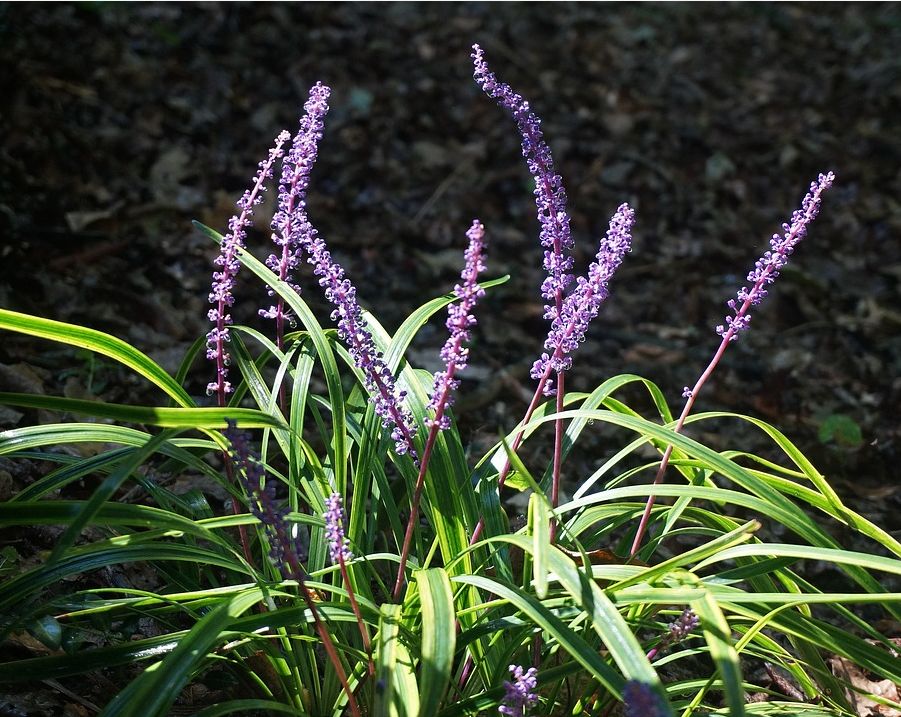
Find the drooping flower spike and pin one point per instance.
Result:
(767, 268)
(387, 398)
(283, 548)
(640, 700)
(459, 321)
(292, 191)
(224, 280)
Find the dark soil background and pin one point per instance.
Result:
(123, 122)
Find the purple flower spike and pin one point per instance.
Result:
(338, 545)
(459, 321)
(387, 398)
(639, 700)
(224, 280)
(550, 196)
(292, 192)
(583, 304)
(771, 263)
(521, 694)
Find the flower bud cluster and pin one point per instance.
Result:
(521, 694)
(767, 268)
(582, 305)
(224, 280)
(338, 545)
(459, 321)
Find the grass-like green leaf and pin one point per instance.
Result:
(159, 685)
(398, 693)
(200, 418)
(438, 637)
(99, 342)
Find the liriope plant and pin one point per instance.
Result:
(365, 564)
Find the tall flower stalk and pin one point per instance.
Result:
(579, 308)
(455, 355)
(765, 272)
(292, 191)
(224, 280)
(282, 546)
(341, 555)
(222, 298)
(556, 238)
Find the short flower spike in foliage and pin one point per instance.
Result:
(262, 501)
(292, 191)
(338, 546)
(224, 280)
(677, 630)
(521, 694)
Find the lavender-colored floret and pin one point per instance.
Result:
(583, 304)
(550, 196)
(767, 268)
(292, 192)
(640, 700)
(459, 322)
(387, 398)
(224, 280)
(338, 545)
(521, 694)
(682, 626)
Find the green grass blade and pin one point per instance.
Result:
(438, 638)
(719, 639)
(158, 686)
(104, 492)
(200, 418)
(570, 641)
(99, 342)
(399, 696)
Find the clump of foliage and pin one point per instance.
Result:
(367, 566)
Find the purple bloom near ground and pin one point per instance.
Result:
(521, 693)
(640, 700)
(767, 268)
